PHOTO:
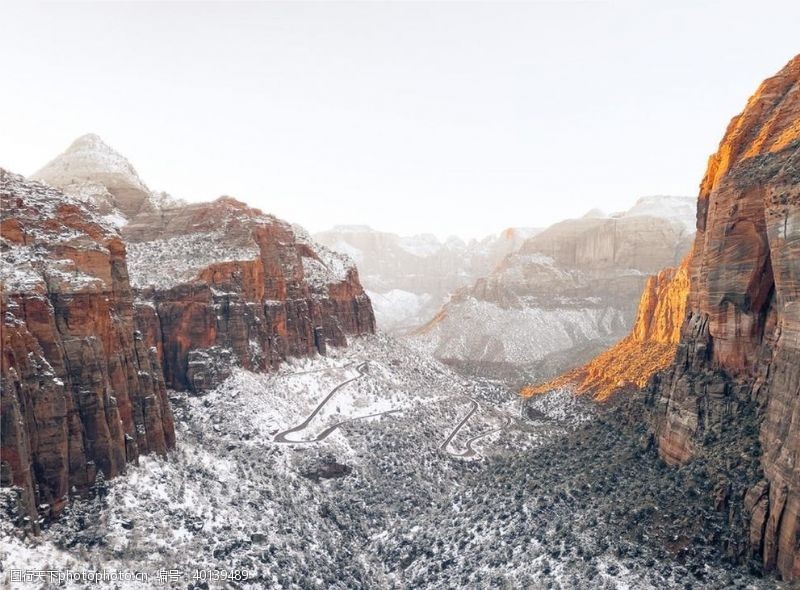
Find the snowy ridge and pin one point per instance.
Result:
(411, 276)
(506, 334)
(169, 262)
(28, 267)
(93, 172)
(329, 268)
(393, 308)
(85, 159)
(682, 210)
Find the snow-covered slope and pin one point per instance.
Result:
(682, 210)
(545, 501)
(566, 294)
(394, 308)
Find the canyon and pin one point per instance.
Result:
(267, 417)
(113, 294)
(575, 285)
(716, 344)
(409, 278)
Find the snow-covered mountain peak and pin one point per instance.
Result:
(674, 208)
(92, 170)
(352, 228)
(86, 159)
(594, 214)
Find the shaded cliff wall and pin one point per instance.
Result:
(280, 295)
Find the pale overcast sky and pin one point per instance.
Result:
(441, 117)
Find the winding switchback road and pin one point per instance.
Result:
(471, 452)
(281, 437)
(460, 425)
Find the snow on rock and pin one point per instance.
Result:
(391, 266)
(682, 210)
(92, 171)
(327, 267)
(87, 158)
(422, 245)
(31, 261)
(168, 262)
(379, 504)
(518, 336)
(397, 308)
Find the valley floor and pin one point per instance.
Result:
(378, 467)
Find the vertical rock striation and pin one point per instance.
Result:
(740, 343)
(229, 286)
(82, 392)
(97, 323)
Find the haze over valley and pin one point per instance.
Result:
(202, 392)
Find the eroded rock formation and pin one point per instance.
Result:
(575, 285)
(82, 392)
(98, 322)
(649, 348)
(408, 278)
(90, 170)
(232, 286)
(740, 343)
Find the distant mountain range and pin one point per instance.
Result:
(574, 285)
(408, 278)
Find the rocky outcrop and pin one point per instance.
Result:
(230, 286)
(575, 286)
(740, 343)
(216, 284)
(409, 277)
(82, 391)
(97, 323)
(89, 170)
(650, 347)
(641, 242)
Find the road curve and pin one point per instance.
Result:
(469, 450)
(331, 429)
(281, 436)
(458, 427)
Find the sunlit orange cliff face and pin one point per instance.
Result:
(737, 358)
(650, 347)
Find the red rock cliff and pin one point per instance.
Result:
(740, 343)
(216, 284)
(82, 391)
(229, 286)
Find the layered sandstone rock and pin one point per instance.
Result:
(96, 324)
(740, 343)
(82, 392)
(229, 286)
(574, 286)
(650, 347)
(216, 284)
